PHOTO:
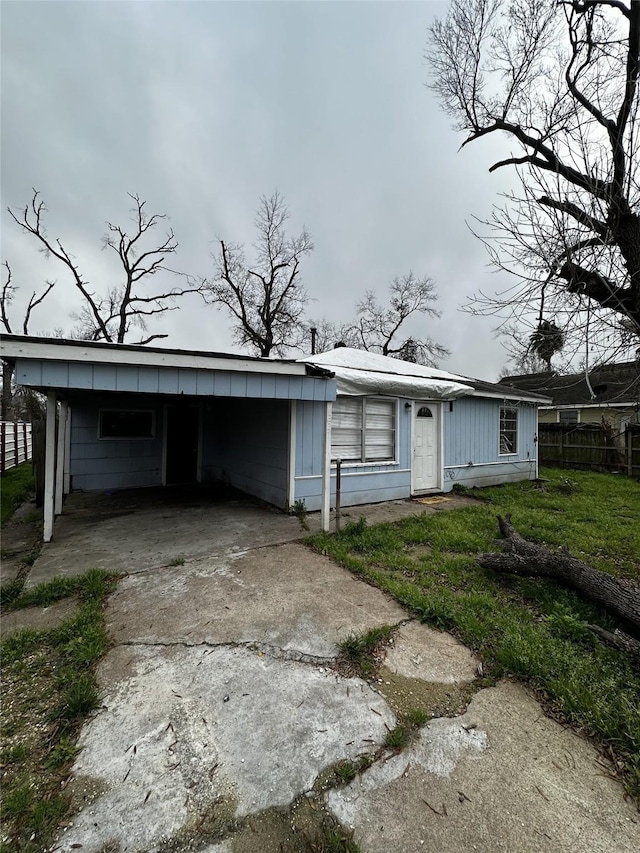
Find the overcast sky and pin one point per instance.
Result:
(202, 107)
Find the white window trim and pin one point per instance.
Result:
(573, 409)
(151, 437)
(517, 411)
(352, 463)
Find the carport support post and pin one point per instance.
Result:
(66, 479)
(49, 466)
(60, 454)
(326, 469)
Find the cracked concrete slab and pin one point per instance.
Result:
(420, 652)
(287, 596)
(219, 705)
(187, 730)
(502, 777)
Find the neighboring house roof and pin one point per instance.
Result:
(360, 372)
(612, 384)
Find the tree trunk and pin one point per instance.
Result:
(619, 640)
(7, 391)
(618, 595)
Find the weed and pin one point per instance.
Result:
(333, 839)
(62, 753)
(300, 511)
(345, 772)
(397, 738)
(417, 718)
(359, 653)
(17, 486)
(177, 561)
(531, 628)
(48, 682)
(10, 592)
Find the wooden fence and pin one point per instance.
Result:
(15, 444)
(590, 446)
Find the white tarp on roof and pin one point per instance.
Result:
(359, 372)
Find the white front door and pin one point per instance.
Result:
(426, 457)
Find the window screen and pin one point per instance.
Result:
(363, 429)
(126, 423)
(508, 430)
(568, 416)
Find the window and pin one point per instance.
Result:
(568, 416)
(363, 429)
(127, 423)
(424, 412)
(508, 430)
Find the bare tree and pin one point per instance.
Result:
(382, 328)
(265, 300)
(112, 315)
(558, 79)
(6, 297)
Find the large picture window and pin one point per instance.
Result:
(127, 423)
(363, 429)
(508, 430)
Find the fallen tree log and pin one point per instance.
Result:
(522, 557)
(619, 640)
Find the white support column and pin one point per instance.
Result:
(66, 479)
(60, 463)
(326, 469)
(49, 466)
(291, 488)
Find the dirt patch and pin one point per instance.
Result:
(405, 695)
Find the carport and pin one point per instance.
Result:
(121, 416)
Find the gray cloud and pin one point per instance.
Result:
(202, 107)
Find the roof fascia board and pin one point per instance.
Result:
(628, 405)
(530, 398)
(153, 358)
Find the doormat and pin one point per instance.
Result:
(436, 500)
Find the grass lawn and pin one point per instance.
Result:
(530, 628)
(48, 688)
(16, 485)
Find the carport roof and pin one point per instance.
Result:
(62, 349)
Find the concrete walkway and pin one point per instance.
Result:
(223, 710)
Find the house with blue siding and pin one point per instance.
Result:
(121, 416)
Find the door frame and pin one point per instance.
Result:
(436, 408)
(165, 421)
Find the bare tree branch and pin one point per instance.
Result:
(266, 300)
(7, 289)
(111, 317)
(377, 327)
(559, 80)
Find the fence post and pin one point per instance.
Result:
(561, 449)
(3, 445)
(26, 444)
(338, 492)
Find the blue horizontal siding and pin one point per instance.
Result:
(103, 464)
(489, 475)
(471, 432)
(357, 488)
(170, 380)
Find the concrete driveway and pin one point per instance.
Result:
(224, 711)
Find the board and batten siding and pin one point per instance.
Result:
(246, 444)
(99, 464)
(471, 433)
(197, 382)
(361, 484)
